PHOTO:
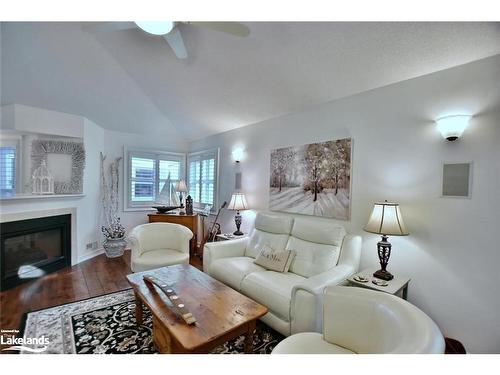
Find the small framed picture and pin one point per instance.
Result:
(457, 180)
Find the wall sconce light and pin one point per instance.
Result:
(238, 154)
(452, 127)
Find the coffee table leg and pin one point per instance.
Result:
(249, 337)
(138, 310)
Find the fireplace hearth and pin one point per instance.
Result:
(32, 248)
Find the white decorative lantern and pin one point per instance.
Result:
(42, 180)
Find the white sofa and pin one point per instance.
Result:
(364, 321)
(157, 245)
(326, 255)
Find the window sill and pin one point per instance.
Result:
(200, 211)
(138, 209)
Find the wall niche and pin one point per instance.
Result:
(23, 154)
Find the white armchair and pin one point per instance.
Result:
(157, 245)
(364, 321)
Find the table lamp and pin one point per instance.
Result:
(180, 187)
(238, 202)
(386, 220)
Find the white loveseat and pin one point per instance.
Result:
(325, 255)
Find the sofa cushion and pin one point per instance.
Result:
(308, 343)
(325, 232)
(259, 239)
(158, 258)
(317, 245)
(272, 289)
(271, 260)
(271, 223)
(231, 271)
(312, 258)
(271, 230)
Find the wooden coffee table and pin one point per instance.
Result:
(221, 313)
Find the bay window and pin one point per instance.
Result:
(146, 173)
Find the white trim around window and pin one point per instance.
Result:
(14, 143)
(144, 173)
(203, 178)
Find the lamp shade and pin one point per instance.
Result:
(238, 202)
(180, 186)
(386, 219)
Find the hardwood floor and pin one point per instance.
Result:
(96, 276)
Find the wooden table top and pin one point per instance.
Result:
(172, 214)
(218, 309)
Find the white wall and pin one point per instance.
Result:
(87, 207)
(20, 118)
(452, 253)
(41, 121)
(30, 119)
(113, 147)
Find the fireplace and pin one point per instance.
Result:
(32, 248)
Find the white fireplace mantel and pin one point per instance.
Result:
(40, 196)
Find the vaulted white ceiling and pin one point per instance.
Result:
(130, 81)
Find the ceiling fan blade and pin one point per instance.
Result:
(174, 39)
(102, 27)
(233, 28)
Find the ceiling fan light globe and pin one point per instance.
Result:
(155, 27)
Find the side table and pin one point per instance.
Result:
(227, 237)
(397, 286)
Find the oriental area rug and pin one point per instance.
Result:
(107, 325)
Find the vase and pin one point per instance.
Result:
(114, 247)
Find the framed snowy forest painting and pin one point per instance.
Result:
(313, 179)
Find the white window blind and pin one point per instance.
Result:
(147, 173)
(202, 178)
(8, 156)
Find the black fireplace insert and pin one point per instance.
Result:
(33, 248)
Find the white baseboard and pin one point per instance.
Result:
(89, 255)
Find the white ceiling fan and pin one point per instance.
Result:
(169, 30)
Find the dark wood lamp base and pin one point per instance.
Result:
(384, 253)
(237, 221)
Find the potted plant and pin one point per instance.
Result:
(114, 239)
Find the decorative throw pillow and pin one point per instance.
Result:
(275, 260)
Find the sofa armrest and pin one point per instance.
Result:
(307, 298)
(184, 236)
(224, 249)
(317, 283)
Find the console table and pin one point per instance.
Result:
(189, 221)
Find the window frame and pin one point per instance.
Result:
(157, 155)
(16, 143)
(212, 151)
